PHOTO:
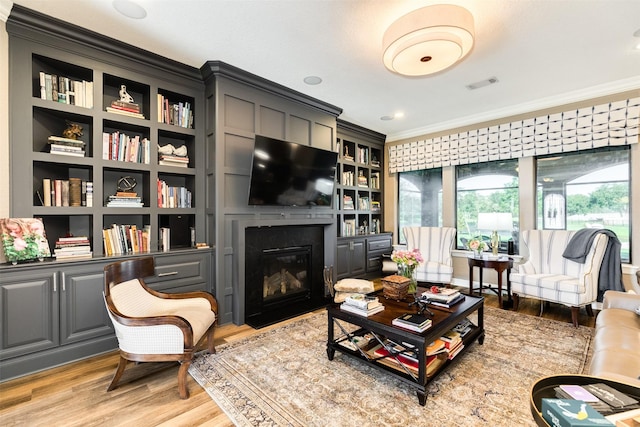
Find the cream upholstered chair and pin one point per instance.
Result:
(548, 276)
(435, 245)
(152, 326)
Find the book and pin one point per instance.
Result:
(435, 347)
(571, 413)
(412, 322)
(362, 302)
(444, 294)
(124, 112)
(360, 312)
(448, 304)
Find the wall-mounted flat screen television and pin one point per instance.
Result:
(289, 174)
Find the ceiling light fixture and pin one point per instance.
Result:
(428, 40)
(483, 83)
(129, 9)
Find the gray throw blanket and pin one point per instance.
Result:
(610, 276)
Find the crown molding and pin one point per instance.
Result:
(611, 88)
(5, 9)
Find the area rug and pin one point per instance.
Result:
(282, 377)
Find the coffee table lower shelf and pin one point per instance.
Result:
(379, 328)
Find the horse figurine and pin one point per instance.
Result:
(73, 131)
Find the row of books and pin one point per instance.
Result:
(73, 247)
(173, 197)
(65, 90)
(347, 178)
(349, 227)
(73, 192)
(125, 239)
(66, 146)
(375, 180)
(362, 305)
(125, 148)
(177, 114)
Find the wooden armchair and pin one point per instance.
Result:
(153, 326)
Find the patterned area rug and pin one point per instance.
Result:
(282, 377)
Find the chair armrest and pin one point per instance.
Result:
(185, 295)
(622, 300)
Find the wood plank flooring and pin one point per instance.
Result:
(75, 394)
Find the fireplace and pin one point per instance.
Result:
(283, 272)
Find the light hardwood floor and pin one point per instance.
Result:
(75, 394)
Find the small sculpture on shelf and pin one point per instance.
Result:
(73, 131)
(124, 95)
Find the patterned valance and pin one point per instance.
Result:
(603, 125)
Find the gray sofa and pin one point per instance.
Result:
(617, 339)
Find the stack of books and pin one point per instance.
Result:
(130, 109)
(124, 199)
(362, 305)
(413, 322)
(445, 297)
(73, 248)
(124, 239)
(453, 343)
(172, 160)
(66, 146)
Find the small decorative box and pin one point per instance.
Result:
(395, 287)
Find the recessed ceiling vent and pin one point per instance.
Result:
(483, 83)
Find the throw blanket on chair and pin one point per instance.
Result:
(610, 276)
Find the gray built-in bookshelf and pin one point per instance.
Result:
(359, 180)
(76, 79)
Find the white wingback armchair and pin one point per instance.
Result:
(435, 245)
(153, 326)
(548, 276)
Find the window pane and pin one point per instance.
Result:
(487, 200)
(420, 199)
(586, 189)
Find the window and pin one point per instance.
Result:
(487, 201)
(586, 189)
(420, 199)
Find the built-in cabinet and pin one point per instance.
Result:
(361, 256)
(53, 312)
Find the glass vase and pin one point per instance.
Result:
(410, 273)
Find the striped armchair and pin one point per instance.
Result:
(435, 244)
(548, 276)
(153, 326)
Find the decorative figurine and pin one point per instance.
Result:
(73, 131)
(124, 95)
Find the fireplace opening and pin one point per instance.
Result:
(283, 273)
(286, 275)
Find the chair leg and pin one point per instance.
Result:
(589, 310)
(210, 345)
(182, 379)
(516, 301)
(122, 363)
(542, 305)
(574, 315)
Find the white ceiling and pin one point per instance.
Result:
(543, 52)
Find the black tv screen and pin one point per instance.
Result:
(288, 174)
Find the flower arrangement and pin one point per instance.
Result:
(407, 262)
(477, 246)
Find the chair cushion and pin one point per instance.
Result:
(431, 271)
(132, 300)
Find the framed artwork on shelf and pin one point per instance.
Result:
(23, 239)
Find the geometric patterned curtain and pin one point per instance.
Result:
(615, 123)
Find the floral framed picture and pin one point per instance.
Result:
(23, 239)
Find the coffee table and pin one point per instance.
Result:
(351, 326)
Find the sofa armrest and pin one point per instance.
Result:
(623, 300)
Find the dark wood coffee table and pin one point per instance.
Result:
(379, 326)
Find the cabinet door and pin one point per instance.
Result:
(181, 273)
(358, 257)
(28, 313)
(84, 314)
(342, 260)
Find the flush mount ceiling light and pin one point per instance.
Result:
(428, 40)
(312, 80)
